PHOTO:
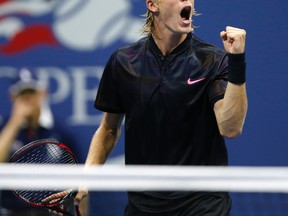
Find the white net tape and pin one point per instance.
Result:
(123, 178)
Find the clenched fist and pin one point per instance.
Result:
(234, 40)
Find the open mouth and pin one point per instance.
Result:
(186, 13)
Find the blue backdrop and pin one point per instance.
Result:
(69, 42)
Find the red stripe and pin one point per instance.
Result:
(32, 36)
(4, 1)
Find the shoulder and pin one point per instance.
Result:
(134, 46)
(200, 45)
(130, 51)
(208, 53)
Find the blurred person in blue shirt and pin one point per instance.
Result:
(30, 119)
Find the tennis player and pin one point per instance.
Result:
(181, 97)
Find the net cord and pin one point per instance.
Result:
(138, 178)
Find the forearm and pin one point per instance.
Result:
(104, 139)
(7, 137)
(233, 110)
(100, 147)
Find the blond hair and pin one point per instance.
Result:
(148, 27)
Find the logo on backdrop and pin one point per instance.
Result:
(79, 25)
(80, 31)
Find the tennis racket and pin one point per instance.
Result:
(47, 151)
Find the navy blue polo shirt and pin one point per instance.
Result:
(167, 101)
(169, 119)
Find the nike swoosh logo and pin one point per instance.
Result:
(191, 82)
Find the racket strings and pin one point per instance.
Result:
(49, 153)
(34, 196)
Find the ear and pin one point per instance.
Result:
(152, 5)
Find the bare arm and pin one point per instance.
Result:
(102, 143)
(7, 136)
(104, 138)
(231, 110)
(20, 113)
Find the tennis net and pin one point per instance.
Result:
(254, 190)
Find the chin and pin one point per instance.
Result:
(188, 31)
(184, 30)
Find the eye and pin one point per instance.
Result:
(186, 12)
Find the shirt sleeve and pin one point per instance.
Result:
(108, 98)
(218, 87)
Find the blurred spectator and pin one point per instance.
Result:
(30, 119)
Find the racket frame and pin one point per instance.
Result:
(33, 145)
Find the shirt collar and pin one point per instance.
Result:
(181, 47)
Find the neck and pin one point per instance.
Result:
(168, 42)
